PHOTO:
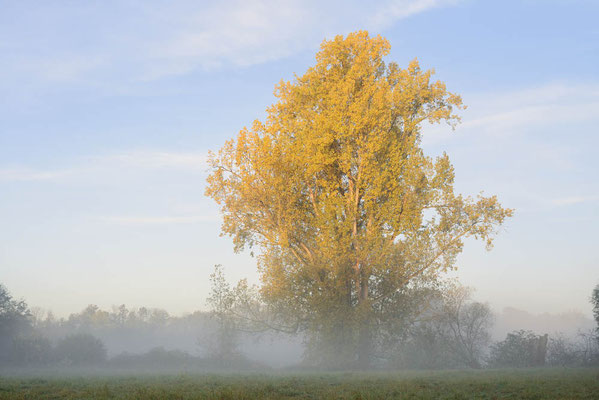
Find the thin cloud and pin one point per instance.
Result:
(158, 220)
(27, 174)
(130, 161)
(152, 40)
(523, 137)
(399, 9)
(237, 33)
(567, 201)
(506, 114)
(243, 33)
(548, 104)
(157, 159)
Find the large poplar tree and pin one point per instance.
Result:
(337, 195)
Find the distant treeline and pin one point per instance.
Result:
(147, 339)
(451, 333)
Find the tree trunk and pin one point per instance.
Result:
(364, 338)
(540, 350)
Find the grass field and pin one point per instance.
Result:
(489, 384)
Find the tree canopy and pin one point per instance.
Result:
(14, 319)
(336, 193)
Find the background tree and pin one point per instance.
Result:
(31, 350)
(519, 349)
(336, 192)
(225, 341)
(595, 303)
(14, 320)
(564, 352)
(588, 348)
(466, 324)
(240, 314)
(451, 331)
(81, 349)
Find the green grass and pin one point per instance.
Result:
(488, 384)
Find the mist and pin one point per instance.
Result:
(299, 200)
(123, 340)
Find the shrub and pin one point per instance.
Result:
(14, 321)
(563, 352)
(519, 349)
(31, 350)
(81, 349)
(155, 359)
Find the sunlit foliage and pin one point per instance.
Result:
(335, 191)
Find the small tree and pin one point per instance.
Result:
(467, 325)
(595, 303)
(81, 349)
(451, 331)
(519, 349)
(589, 347)
(14, 320)
(563, 352)
(222, 300)
(579, 351)
(33, 350)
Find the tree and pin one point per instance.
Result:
(564, 352)
(519, 349)
(222, 301)
(81, 349)
(451, 331)
(595, 303)
(14, 320)
(238, 310)
(31, 350)
(337, 194)
(466, 325)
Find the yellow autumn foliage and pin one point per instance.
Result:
(335, 192)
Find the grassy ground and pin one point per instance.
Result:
(490, 384)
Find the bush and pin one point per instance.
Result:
(425, 348)
(563, 352)
(589, 348)
(31, 350)
(581, 351)
(519, 349)
(14, 321)
(81, 349)
(155, 359)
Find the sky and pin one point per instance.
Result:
(109, 108)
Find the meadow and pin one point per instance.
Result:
(466, 384)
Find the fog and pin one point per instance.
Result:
(193, 332)
(145, 142)
(567, 323)
(150, 340)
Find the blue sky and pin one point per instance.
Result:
(108, 110)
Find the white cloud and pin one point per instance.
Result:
(238, 33)
(250, 32)
(506, 114)
(400, 9)
(150, 40)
